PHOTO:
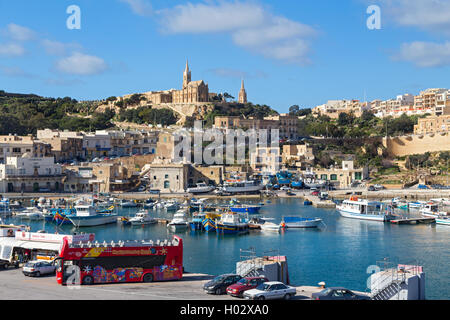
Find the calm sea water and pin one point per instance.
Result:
(338, 254)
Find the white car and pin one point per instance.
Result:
(38, 268)
(271, 290)
(285, 188)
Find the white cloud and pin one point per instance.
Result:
(425, 54)
(250, 25)
(20, 33)
(432, 15)
(81, 64)
(58, 48)
(139, 7)
(11, 50)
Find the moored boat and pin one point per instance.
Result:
(270, 226)
(87, 216)
(443, 220)
(431, 209)
(300, 222)
(365, 210)
(201, 188)
(234, 187)
(141, 218)
(179, 221)
(232, 223)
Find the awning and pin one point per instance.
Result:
(31, 245)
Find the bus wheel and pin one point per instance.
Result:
(88, 280)
(148, 277)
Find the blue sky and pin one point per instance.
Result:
(288, 52)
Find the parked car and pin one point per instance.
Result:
(141, 188)
(270, 290)
(38, 268)
(379, 187)
(154, 191)
(285, 188)
(237, 289)
(315, 193)
(337, 293)
(371, 188)
(219, 284)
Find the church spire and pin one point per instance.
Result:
(242, 94)
(186, 75)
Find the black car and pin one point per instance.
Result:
(338, 293)
(219, 284)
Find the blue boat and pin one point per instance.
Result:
(209, 225)
(60, 216)
(245, 208)
(297, 184)
(197, 222)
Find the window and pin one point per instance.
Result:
(166, 176)
(166, 184)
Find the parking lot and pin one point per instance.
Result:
(16, 286)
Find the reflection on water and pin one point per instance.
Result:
(338, 253)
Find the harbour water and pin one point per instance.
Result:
(339, 253)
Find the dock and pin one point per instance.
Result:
(422, 220)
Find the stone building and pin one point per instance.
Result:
(16, 146)
(433, 124)
(299, 155)
(343, 177)
(30, 174)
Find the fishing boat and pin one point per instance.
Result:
(149, 204)
(299, 222)
(86, 215)
(245, 208)
(365, 210)
(431, 209)
(141, 218)
(197, 222)
(232, 223)
(209, 223)
(179, 221)
(238, 186)
(201, 188)
(443, 201)
(297, 184)
(399, 203)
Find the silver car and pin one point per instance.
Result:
(38, 268)
(271, 290)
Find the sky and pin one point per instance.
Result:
(290, 52)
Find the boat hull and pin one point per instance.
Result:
(209, 225)
(231, 229)
(93, 221)
(444, 222)
(352, 215)
(246, 209)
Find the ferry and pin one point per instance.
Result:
(299, 222)
(87, 216)
(201, 188)
(431, 210)
(365, 210)
(232, 223)
(242, 186)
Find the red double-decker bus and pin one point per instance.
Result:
(123, 261)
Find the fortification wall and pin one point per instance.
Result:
(408, 145)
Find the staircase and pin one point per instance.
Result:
(389, 291)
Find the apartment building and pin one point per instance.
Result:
(265, 160)
(30, 174)
(16, 146)
(433, 125)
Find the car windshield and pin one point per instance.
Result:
(263, 286)
(219, 279)
(243, 281)
(326, 291)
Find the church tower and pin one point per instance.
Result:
(242, 94)
(186, 76)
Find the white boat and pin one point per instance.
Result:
(179, 221)
(171, 205)
(30, 213)
(431, 209)
(443, 221)
(142, 217)
(443, 201)
(365, 210)
(87, 216)
(201, 188)
(127, 204)
(299, 222)
(232, 223)
(417, 204)
(242, 186)
(270, 226)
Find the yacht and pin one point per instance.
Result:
(201, 188)
(142, 217)
(31, 213)
(87, 216)
(431, 209)
(171, 205)
(127, 203)
(179, 221)
(242, 186)
(365, 210)
(299, 222)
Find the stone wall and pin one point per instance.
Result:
(420, 144)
